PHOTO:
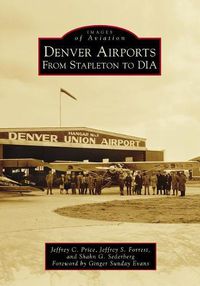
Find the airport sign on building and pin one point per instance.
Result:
(79, 137)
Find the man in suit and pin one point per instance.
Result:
(146, 183)
(121, 181)
(49, 181)
(128, 183)
(138, 183)
(182, 182)
(159, 183)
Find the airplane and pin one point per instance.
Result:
(110, 170)
(9, 185)
(13, 185)
(115, 167)
(112, 167)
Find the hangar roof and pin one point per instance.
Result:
(62, 129)
(195, 159)
(71, 137)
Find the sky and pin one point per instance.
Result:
(164, 109)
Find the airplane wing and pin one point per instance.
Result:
(7, 184)
(20, 189)
(77, 166)
(92, 166)
(187, 165)
(21, 163)
(6, 181)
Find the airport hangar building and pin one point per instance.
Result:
(74, 144)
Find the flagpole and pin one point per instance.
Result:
(60, 122)
(60, 107)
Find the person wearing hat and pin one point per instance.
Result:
(121, 182)
(146, 183)
(138, 183)
(128, 183)
(49, 182)
(182, 182)
(153, 182)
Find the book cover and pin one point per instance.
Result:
(136, 100)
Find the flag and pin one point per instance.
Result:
(66, 92)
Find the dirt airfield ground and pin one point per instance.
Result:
(28, 221)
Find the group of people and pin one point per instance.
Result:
(161, 183)
(83, 184)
